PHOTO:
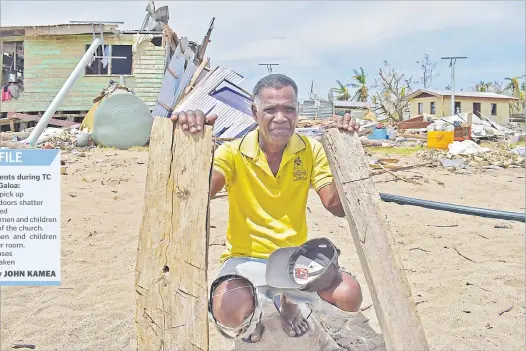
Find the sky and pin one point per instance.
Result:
(322, 41)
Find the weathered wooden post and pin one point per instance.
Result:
(171, 272)
(381, 264)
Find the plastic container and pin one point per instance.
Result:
(122, 120)
(378, 133)
(439, 139)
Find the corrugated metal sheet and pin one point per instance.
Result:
(325, 110)
(185, 80)
(170, 84)
(173, 86)
(350, 104)
(231, 122)
(316, 109)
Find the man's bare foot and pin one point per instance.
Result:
(292, 320)
(256, 335)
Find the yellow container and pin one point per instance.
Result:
(439, 139)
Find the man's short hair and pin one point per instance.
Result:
(275, 81)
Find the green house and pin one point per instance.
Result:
(43, 57)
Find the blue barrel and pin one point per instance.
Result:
(378, 133)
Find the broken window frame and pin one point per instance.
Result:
(108, 68)
(17, 66)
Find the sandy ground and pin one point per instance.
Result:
(458, 300)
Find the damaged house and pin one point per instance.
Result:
(87, 71)
(41, 58)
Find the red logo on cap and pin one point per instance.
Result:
(301, 273)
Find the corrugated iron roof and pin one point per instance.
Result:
(312, 109)
(231, 122)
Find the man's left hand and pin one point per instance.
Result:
(346, 122)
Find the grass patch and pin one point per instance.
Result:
(394, 150)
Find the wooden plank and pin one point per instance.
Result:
(381, 263)
(196, 75)
(172, 257)
(35, 118)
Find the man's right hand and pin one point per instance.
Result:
(193, 121)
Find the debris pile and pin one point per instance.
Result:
(68, 139)
(485, 159)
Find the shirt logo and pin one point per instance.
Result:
(299, 172)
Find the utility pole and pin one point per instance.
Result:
(269, 66)
(453, 60)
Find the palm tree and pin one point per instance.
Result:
(359, 77)
(342, 91)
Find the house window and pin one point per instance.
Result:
(493, 109)
(420, 108)
(13, 61)
(121, 66)
(112, 63)
(457, 107)
(432, 107)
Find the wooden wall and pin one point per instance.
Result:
(149, 72)
(49, 60)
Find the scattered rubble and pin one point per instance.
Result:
(501, 158)
(68, 139)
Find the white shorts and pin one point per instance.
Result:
(254, 270)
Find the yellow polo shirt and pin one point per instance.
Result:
(267, 212)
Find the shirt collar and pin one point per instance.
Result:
(249, 145)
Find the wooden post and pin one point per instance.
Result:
(172, 256)
(470, 119)
(381, 264)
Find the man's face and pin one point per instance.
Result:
(276, 114)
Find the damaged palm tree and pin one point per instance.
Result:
(342, 92)
(361, 83)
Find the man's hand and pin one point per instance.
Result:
(194, 121)
(346, 122)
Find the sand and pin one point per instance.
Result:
(458, 300)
